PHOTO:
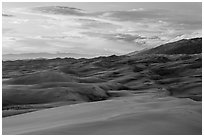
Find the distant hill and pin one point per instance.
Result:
(42, 55)
(184, 46)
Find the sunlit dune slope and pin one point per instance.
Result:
(136, 114)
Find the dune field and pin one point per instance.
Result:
(158, 91)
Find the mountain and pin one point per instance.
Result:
(184, 46)
(42, 55)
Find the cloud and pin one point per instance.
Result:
(177, 19)
(67, 29)
(7, 15)
(62, 10)
(88, 23)
(138, 9)
(7, 31)
(19, 21)
(116, 36)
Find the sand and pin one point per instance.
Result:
(148, 94)
(135, 114)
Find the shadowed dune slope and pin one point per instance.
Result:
(41, 77)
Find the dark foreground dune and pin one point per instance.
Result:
(136, 114)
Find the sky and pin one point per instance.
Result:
(96, 28)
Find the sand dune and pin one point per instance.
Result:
(136, 114)
(158, 93)
(178, 75)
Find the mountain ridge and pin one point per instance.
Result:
(168, 48)
(183, 46)
(22, 56)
